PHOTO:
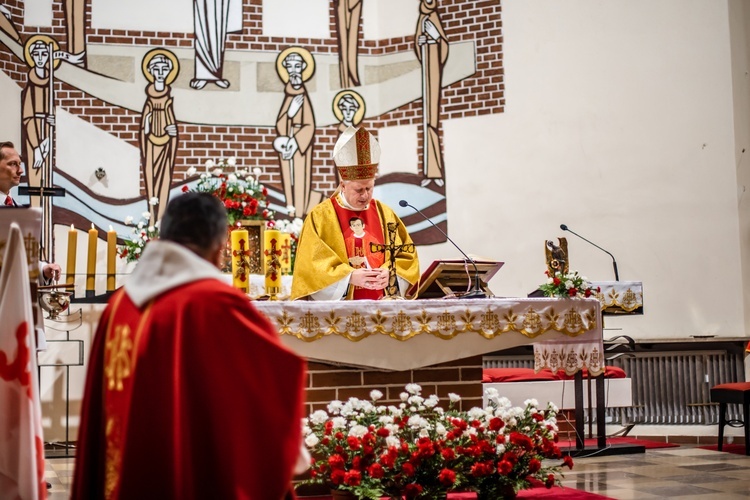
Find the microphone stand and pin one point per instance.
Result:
(476, 291)
(614, 263)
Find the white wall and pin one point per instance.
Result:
(618, 123)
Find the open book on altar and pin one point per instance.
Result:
(452, 278)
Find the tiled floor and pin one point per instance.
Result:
(684, 472)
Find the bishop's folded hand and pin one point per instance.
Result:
(374, 279)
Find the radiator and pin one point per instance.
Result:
(668, 387)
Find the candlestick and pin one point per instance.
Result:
(286, 253)
(111, 255)
(70, 268)
(91, 261)
(272, 262)
(240, 259)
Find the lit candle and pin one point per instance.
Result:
(240, 260)
(70, 277)
(272, 260)
(91, 261)
(286, 253)
(111, 254)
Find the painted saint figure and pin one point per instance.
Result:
(75, 27)
(432, 51)
(348, 15)
(295, 126)
(349, 110)
(158, 137)
(37, 109)
(213, 20)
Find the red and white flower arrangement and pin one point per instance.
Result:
(416, 449)
(568, 285)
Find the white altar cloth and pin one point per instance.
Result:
(410, 334)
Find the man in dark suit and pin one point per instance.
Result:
(11, 170)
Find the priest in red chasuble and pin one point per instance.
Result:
(335, 256)
(190, 393)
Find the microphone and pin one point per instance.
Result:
(614, 263)
(476, 291)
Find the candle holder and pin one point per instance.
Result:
(273, 292)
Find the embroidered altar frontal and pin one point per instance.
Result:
(409, 334)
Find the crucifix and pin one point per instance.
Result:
(286, 256)
(273, 267)
(241, 264)
(391, 249)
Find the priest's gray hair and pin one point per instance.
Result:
(195, 220)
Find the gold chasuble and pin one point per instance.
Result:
(328, 251)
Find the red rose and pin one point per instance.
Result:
(568, 461)
(407, 469)
(550, 482)
(353, 443)
(185, 188)
(587, 293)
(572, 291)
(447, 477)
(538, 417)
(336, 461)
(521, 440)
(496, 424)
(337, 476)
(383, 432)
(376, 471)
(448, 454)
(387, 460)
(504, 467)
(353, 478)
(556, 281)
(412, 490)
(534, 465)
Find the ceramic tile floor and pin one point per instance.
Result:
(684, 472)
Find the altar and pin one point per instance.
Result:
(411, 334)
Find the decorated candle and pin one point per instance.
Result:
(240, 260)
(272, 260)
(70, 268)
(286, 253)
(111, 255)
(91, 259)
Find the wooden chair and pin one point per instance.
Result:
(733, 393)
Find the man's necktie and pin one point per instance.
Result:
(8, 201)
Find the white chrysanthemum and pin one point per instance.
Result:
(334, 407)
(217, 172)
(550, 281)
(392, 442)
(232, 178)
(209, 165)
(491, 393)
(413, 388)
(338, 423)
(475, 413)
(151, 229)
(257, 170)
(416, 400)
(432, 401)
(318, 417)
(385, 419)
(503, 402)
(191, 171)
(146, 215)
(424, 433)
(500, 449)
(140, 225)
(439, 410)
(416, 421)
(290, 209)
(569, 284)
(311, 440)
(231, 161)
(440, 429)
(531, 402)
(455, 398)
(375, 394)
(128, 220)
(137, 250)
(404, 396)
(552, 407)
(358, 431)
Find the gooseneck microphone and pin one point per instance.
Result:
(614, 262)
(476, 291)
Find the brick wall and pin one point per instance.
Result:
(479, 94)
(329, 382)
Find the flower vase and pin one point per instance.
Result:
(342, 495)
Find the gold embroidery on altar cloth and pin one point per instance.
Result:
(402, 323)
(573, 321)
(446, 321)
(118, 357)
(629, 299)
(355, 322)
(310, 323)
(490, 322)
(532, 322)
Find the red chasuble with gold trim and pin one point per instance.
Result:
(192, 396)
(370, 230)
